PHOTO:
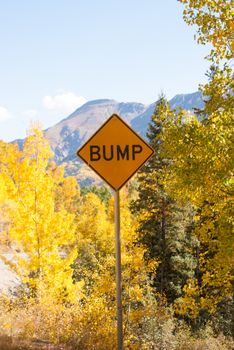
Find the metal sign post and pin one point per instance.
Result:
(118, 272)
(115, 152)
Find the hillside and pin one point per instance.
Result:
(70, 133)
(66, 136)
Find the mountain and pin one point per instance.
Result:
(70, 133)
(141, 122)
(184, 101)
(188, 101)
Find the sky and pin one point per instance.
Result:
(58, 54)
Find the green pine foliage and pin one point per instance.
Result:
(101, 191)
(165, 227)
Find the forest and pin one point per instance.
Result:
(177, 236)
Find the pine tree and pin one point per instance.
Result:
(164, 226)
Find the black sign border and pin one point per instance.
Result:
(102, 126)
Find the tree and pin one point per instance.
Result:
(9, 160)
(202, 168)
(100, 300)
(202, 153)
(101, 191)
(66, 189)
(214, 19)
(164, 226)
(39, 233)
(94, 237)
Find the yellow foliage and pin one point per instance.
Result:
(38, 234)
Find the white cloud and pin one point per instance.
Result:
(63, 103)
(4, 114)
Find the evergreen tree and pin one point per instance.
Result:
(164, 226)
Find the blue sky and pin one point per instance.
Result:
(57, 54)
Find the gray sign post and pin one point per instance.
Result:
(118, 271)
(115, 152)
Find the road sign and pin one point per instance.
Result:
(115, 152)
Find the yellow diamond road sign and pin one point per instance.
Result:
(115, 152)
